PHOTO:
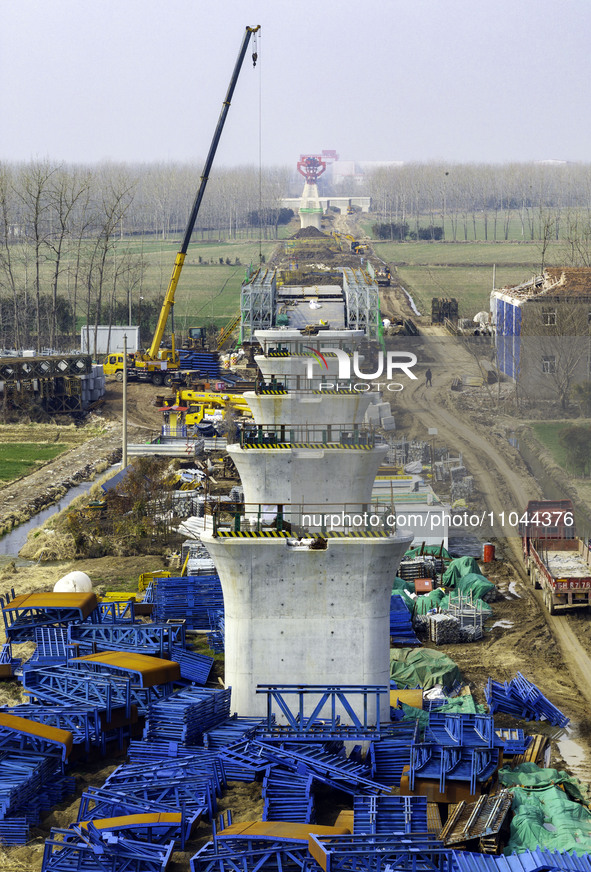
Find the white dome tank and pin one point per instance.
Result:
(73, 582)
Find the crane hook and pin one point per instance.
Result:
(255, 54)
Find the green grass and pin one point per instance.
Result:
(21, 458)
(549, 433)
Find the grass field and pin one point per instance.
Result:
(22, 458)
(207, 290)
(549, 433)
(461, 270)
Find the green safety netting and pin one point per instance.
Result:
(431, 550)
(424, 668)
(457, 568)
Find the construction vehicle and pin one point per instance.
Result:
(196, 407)
(158, 364)
(557, 561)
(113, 366)
(235, 402)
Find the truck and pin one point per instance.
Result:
(557, 561)
(113, 366)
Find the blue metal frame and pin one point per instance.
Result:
(301, 725)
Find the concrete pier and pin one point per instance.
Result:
(298, 615)
(315, 477)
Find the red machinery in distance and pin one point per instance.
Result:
(311, 166)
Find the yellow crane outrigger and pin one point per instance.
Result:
(160, 361)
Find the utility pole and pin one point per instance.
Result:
(124, 446)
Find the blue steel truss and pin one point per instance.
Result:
(332, 702)
(469, 730)
(389, 814)
(100, 802)
(253, 855)
(89, 849)
(60, 686)
(21, 622)
(405, 853)
(83, 722)
(155, 639)
(475, 765)
(117, 612)
(539, 860)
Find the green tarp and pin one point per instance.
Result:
(424, 668)
(459, 705)
(544, 816)
(428, 601)
(431, 550)
(400, 584)
(457, 568)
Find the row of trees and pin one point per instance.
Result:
(68, 250)
(68, 234)
(484, 201)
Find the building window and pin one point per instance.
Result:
(549, 364)
(549, 317)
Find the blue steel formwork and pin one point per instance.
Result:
(405, 853)
(60, 686)
(174, 786)
(389, 756)
(194, 667)
(325, 717)
(22, 619)
(470, 730)
(288, 797)
(89, 849)
(83, 722)
(539, 860)
(187, 714)
(100, 802)
(335, 770)
(437, 762)
(389, 814)
(157, 639)
(190, 597)
(401, 629)
(253, 854)
(522, 699)
(117, 612)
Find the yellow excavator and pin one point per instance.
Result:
(161, 365)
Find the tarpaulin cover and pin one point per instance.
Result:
(544, 816)
(431, 550)
(424, 668)
(399, 584)
(474, 583)
(428, 601)
(460, 705)
(457, 568)
(532, 776)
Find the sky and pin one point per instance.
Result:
(85, 81)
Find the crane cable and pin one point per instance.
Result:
(254, 61)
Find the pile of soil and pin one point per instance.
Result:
(307, 233)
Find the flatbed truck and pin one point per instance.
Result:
(557, 561)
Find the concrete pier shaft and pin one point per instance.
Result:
(297, 615)
(308, 407)
(316, 478)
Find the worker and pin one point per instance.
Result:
(428, 377)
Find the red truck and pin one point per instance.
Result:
(557, 561)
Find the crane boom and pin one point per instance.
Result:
(168, 304)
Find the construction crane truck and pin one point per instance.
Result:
(557, 561)
(161, 365)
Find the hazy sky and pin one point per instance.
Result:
(411, 80)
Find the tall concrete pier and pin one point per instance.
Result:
(307, 563)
